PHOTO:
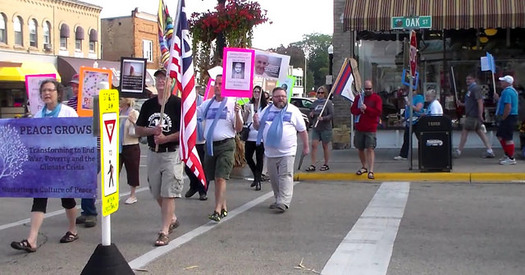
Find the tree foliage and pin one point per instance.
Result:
(316, 48)
(13, 152)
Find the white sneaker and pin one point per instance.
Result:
(399, 158)
(456, 154)
(131, 200)
(508, 161)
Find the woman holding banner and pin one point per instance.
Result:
(322, 131)
(257, 103)
(51, 93)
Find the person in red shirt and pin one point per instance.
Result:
(367, 109)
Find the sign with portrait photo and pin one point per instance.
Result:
(91, 81)
(237, 72)
(133, 77)
(271, 65)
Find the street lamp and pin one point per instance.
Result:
(329, 78)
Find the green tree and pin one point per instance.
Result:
(316, 48)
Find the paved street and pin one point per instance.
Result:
(442, 228)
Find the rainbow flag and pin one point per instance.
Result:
(165, 30)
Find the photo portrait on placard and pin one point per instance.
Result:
(237, 79)
(271, 65)
(132, 77)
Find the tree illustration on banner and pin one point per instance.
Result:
(13, 153)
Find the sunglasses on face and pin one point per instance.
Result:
(320, 92)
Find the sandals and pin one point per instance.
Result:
(371, 175)
(311, 168)
(23, 245)
(69, 237)
(324, 168)
(173, 225)
(361, 171)
(162, 240)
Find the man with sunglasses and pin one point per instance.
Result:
(367, 109)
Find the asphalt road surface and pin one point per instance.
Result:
(331, 227)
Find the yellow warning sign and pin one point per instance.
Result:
(109, 149)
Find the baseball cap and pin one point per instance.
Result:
(509, 79)
(160, 71)
(74, 79)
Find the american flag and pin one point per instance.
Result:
(180, 69)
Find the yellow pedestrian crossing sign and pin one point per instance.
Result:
(109, 149)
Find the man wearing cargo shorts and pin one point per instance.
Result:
(164, 165)
(223, 121)
(473, 117)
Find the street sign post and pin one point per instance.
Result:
(411, 22)
(109, 143)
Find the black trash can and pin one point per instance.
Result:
(435, 143)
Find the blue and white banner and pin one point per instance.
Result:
(48, 157)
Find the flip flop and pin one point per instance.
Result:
(361, 171)
(23, 245)
(311, 168)
(324, 168)
(371, 175)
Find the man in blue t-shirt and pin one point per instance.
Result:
(417, 107)
(507, 111)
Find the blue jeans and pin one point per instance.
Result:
(88, 207)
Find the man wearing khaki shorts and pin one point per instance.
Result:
(473, 117)
(164, 165)
(223, 121)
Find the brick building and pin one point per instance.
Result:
(131, 36)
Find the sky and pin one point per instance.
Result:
(291, 18)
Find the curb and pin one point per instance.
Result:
(416, 177)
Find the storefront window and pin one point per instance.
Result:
(443, 63)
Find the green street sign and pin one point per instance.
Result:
(410, 23)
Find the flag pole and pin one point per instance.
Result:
(331, 90)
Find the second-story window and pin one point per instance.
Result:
(79, 38)
(3, 29)
(17, 27)
(93, 39)
(47, 35)
(147, 50)
(33, 33)
(64, 35)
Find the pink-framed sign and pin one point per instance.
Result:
(33, 82)
(237, 72)
(209, 93)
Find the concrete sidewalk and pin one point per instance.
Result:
(470, 167)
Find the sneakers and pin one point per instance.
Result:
(281, 208)
(131, 200)
(456, 154)
(215, 216)
(224, 213)
(87, 221)
(190, 193)
(399, 158)
(488, 155)
(508, 161)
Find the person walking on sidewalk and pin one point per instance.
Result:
(278, 124)
(129, 146)
(223, 121)
(473, 117)
(88, 217)
(507, 111)
(367, 109)
(323, 131)
(164, 164)
(249, 145)
(417, 110)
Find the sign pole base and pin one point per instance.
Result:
(107, 260)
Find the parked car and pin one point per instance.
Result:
(303, 104)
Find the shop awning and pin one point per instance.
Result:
(12, 71)
(375, 15)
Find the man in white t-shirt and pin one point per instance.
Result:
(280, 144)
(223, 121)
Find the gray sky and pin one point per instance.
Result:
(291, 18)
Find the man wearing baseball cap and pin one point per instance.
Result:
(507, 111)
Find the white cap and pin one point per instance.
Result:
(509, 79)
